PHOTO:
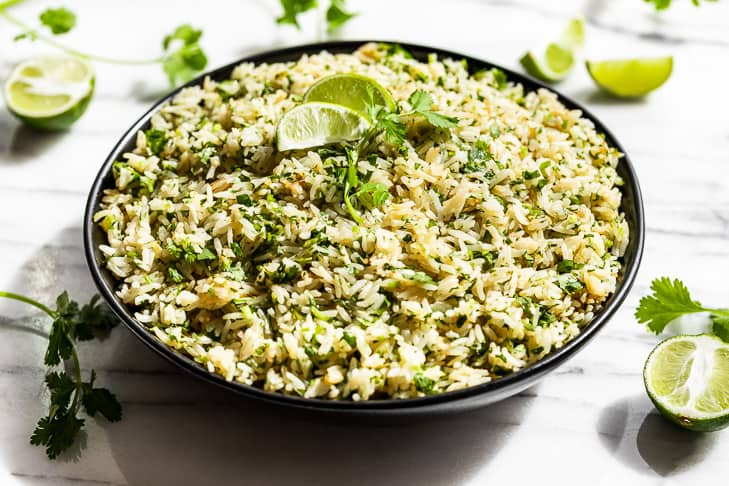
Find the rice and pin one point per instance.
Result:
(499, 242)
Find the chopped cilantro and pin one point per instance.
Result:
(155, 140)
(424, 384)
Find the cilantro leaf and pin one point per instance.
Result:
(93, 319)
(422, 277)
(100, 400)
(720, 326)
(61, 387)
(185, 33)
(188, 59)
(292, 9)
(439, 120)
(393, 129)
(372, 194)
(60, 346)
(155, 140)
(424, 384)
(58, 20)
(664, 4)
(421, 102)
(57, 432)
(337, 16)
(670, 300)
(569, 283)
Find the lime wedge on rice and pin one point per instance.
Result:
(350, 90)
(49, 93)
(687, 377)
(630, 78)
(315, 124)
(555, 62)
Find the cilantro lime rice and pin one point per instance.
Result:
(485, 247)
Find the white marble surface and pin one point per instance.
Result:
(590, 423)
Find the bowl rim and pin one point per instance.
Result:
(389, 406)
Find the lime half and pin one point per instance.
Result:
(556, 61)
(350, 90)
(630, 78)
(315, 124)
(50, 93)
(687, 377)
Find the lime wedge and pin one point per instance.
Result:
(556, 61)
(350, 90)
(630, 78)
(50, 93)
(687, 377)
(315, 124)
(573, 35)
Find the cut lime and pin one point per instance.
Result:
(558, 57)
(50, 93)
(630, 78)
(350, 90)
(687, 377)
(315, 124)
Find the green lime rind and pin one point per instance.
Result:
(687, 379)
(630, 78)
(538, 67)
(573, 35)
(556, 61)
(350, 90)
(60, 122)
(49, 93)
(316, 124)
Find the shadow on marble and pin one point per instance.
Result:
(178, 430)
(633, 431)
(594, 96)
(667, 448)
(19, 144)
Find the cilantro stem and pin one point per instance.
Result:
(52, 42)
(352, 212)
(9, 3)
(28, 300)
(74, 355)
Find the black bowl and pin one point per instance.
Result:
(632, 206)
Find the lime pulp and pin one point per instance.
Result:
(315, 124)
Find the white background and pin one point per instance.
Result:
(589, 423)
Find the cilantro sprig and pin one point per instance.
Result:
(389, 126)
(669, 301)
(182, 56)
(336, 14)
(664, 4)
(69, 393)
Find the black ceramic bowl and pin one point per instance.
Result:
(460, 400)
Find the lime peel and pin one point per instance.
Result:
(686, 378)
(630, 78)
(353, 91)
(556, 61)
(49, 93)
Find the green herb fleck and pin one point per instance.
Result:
(58, 20)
